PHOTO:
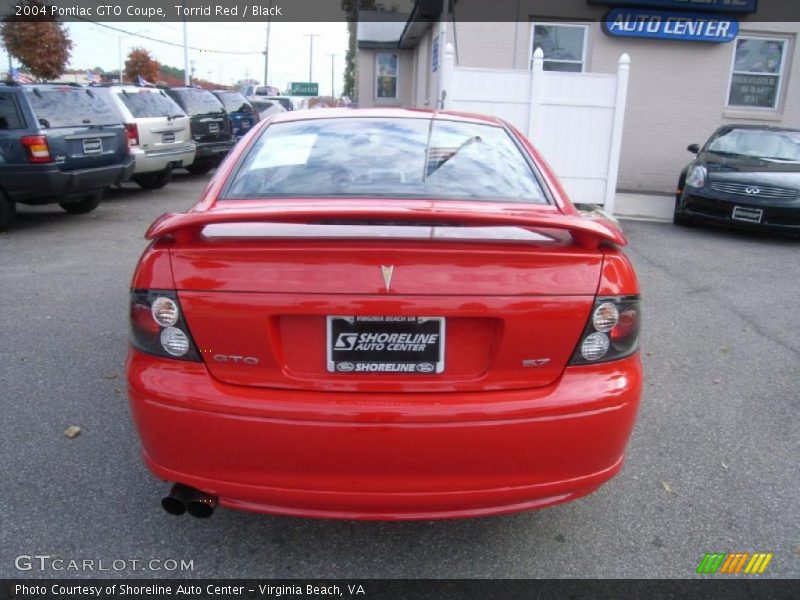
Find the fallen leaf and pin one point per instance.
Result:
(667, 488)
(796, 549)
(72, 431)
(725, 349)
(111, 376)
(117, 391)
(649, 354)
(718, 381)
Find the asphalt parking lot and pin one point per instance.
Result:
(712, 465)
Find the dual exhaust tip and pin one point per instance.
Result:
(182, 498)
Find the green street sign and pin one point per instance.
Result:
(303, 88)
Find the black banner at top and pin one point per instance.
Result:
(341, 10)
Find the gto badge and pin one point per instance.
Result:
(232, 358)
(387, 275)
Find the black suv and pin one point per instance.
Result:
(211, 128)
(58, 143)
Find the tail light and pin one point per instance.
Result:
(158, 326)
(36, 148)
(133, 134)
(612, 332)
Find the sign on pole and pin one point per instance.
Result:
(303, 88)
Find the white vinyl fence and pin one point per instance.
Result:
(574, 119)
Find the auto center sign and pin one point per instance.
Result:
(669, 25)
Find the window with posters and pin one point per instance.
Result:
(757, 73)
(564, 46)
(386, 75)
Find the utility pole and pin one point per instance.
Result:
(266, 47)
(186, 80)
(333, 92)
(311, 37)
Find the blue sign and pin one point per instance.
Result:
(740, 6)
(668, 25)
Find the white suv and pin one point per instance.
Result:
(158, 131)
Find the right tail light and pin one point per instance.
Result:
(612, 331)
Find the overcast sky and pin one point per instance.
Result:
(95, 46)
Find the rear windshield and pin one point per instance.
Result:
(234, 102)
(199, 102)
(386, 158)
(70, 107)
(145, 104)
(776, 145)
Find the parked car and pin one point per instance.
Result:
(267, 108)
(744, 175)
(240, 111)
(58, 144)
(210, 126)
(158, 131)
(383, 314)
(262, 92)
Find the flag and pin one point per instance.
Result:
(93, 77)
(19, 77)
(143, 82)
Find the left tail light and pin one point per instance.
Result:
(158, 326)
(612, 331)
(132, 131)
(36, 149)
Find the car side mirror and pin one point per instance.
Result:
(693, 148)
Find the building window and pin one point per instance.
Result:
(564, 46)
(757, 72)
(386, 75)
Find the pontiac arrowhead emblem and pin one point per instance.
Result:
(387, 275)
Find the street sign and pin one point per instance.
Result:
(303, 88)
(668, 25)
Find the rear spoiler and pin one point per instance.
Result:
(586, 232)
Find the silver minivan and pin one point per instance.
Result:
(158, 131)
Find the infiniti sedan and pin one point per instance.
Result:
(383, 314)
(744, 175)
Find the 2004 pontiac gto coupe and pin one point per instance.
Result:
(383, 314)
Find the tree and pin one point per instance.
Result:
(141, 64)
(42, 45)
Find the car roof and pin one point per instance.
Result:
(732, 126)
(384, 113)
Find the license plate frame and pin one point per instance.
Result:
(747, 214)
(412, 350)
(213, 128)
(168, 138)
(245, 124)
(92, 146)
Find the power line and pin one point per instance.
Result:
(152, 39)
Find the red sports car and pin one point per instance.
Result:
(383, 314)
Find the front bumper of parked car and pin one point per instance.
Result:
(381, 456)
(707, 205)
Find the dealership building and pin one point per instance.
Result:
(694, 64)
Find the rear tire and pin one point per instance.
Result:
(8, 211)
(153, 181)
(200, 167)
(86, 205)
(681, 220)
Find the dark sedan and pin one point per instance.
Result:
(744, 175)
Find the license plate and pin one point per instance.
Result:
(245, 124)
(93, 146)
(213, 127)
(394, 345)
(747, 214)
(168, 138)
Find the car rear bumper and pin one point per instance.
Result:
(158, 160)
(714, 207)
(214, 150)
(43, 184)
(384, 456)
